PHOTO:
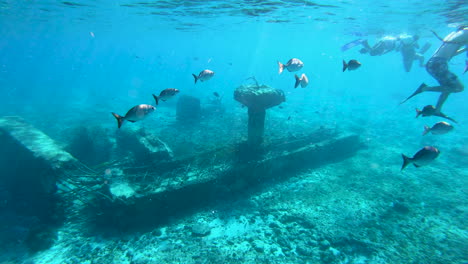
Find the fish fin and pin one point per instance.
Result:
(156, 99)
(406, 161)
(196, 78)
(344, 65)
(298, 81)
(119, 118)
(426, 130)
(418, 113)
(281, 67)
(466, 67)
(416, 165)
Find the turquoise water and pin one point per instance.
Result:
(65, 66)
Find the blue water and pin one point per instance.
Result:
(67, 65)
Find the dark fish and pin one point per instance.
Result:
(292, 65)
(289, 118)
(280, 107)
(204, 75)
(303, 81)
(351, 65)
(216, 94)
(466, 67)
(135, 114)
(430, 110)
(438, 128)
(166, 94)
(423, 157)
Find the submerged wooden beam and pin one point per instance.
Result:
(30, 161)
(158, 194)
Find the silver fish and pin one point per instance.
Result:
(423, 157)
(137, 113)
(204, 75)
(303, 81)
(292, 65)
(439, 128)
(165, 95)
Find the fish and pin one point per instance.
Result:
(204, 75)
(466, 67)
(136, 113)
(165, 95)
(423, 157)
(430, 110)
(216, 94)
(351, 65)
(439, 128)
(292, 65)
(303, 81)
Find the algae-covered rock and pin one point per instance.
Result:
(145, 147)
(122, 190)
(201, 229)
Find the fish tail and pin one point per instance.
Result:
(406, 161)
(156, 99)
(426, 130)
(281, 67)
(120, 119)
(298, 81)
(345, 66)
(418, 113)
(196, 78)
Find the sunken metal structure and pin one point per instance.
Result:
(127, 196)
(258, 98)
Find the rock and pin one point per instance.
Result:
(122, 190)
(324, 244)
(304, 250)
(201, 229)
(259, 246)
(146, 148)
(284, 243)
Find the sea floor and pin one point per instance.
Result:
(360, 210)
(354, 211)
